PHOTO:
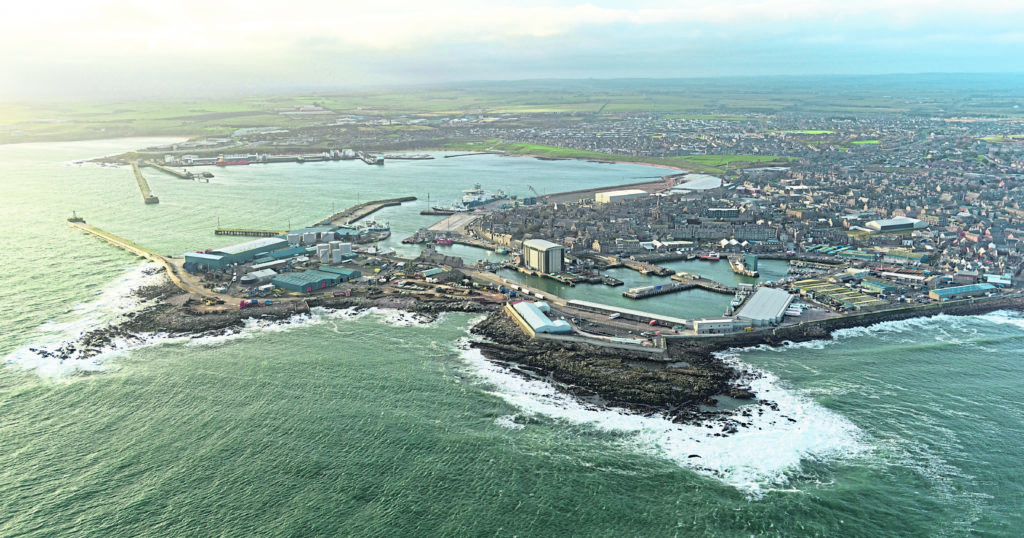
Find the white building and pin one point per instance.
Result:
(612, 197)
(765, 308)
(543, 256)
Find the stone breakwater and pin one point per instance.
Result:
(823, 329)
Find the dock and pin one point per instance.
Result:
(147, 196)
(645, 268)
(365, 209)
(653, 291)
(371, 159)
(705, 284)
(249, 233)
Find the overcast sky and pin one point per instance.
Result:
(118, 48)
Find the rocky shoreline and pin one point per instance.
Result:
(684, 389)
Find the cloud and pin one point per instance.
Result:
(396, 40)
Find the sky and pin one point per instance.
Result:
(120, 48)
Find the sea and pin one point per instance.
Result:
(385, 423)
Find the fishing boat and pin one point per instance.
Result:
(711, 257)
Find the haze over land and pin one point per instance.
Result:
(119, 49)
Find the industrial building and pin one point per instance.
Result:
(765, 308)
(221, 258)
(258, 278)
(897, 224)
(543, 256)
(961, 292)
(716, 326)
(534, 315)
(612, 197)
(346, 275)
(307, 281)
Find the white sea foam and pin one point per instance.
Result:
(111, 306)
(763, 454)
(117, 301)
(509, 421)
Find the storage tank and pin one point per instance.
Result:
(335, 245)
(346, 248)
(324, 256)
(293, 239)
(327, 236)
(321, 248)
(309, 238)
(336, 256)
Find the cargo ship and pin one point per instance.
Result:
(477, 196)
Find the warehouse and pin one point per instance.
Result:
(201, 262)
(961, 292)
(534, 316)
(543, 256)
(765, 308)
(346, 275)
(307, 281)
(224, 257)
(258, 278)
(897, 224)
(612, 197)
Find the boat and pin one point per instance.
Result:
(443, 241)
(711, 257)
(501, 250)
(477, 196)
(739, 266)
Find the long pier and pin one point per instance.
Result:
(359, 211)
(147, 196)
(180, 174)
(138, 250)
(249, 233)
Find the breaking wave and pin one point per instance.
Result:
(766, 450)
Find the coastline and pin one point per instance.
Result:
(684, 390)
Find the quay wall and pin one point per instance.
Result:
(823, 329)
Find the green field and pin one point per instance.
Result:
(1002, 138)
(708, 164)
(862, 142)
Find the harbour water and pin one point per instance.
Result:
(382, 424)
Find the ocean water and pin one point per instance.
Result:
(381, 423)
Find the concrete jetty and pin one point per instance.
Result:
(705, 283)
(180, 174)
(359, 211)
(147, 196)
(249, 233)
